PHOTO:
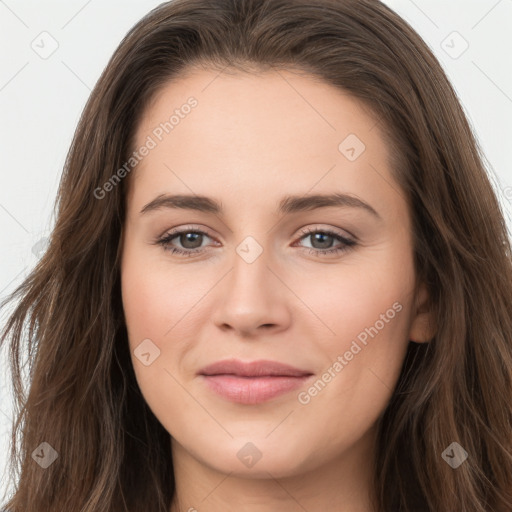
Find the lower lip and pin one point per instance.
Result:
(252, 390)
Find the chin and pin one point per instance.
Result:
(257, 458)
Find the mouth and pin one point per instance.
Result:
(254, 382)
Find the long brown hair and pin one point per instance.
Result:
(83, 399)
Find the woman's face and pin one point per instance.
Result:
(324, 286)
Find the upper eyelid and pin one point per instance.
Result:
(309, 229)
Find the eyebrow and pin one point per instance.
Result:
(289, 204)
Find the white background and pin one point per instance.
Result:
(41, 101)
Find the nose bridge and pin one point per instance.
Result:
(248, 296)
(250, 271)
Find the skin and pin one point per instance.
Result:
(251, 140)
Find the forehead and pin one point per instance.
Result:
(288, 104)
(249, 135)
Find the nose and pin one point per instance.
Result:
(252, 299)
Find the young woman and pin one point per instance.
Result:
(279, 279)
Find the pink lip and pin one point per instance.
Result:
(254, 382)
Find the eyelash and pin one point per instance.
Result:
(166, 240)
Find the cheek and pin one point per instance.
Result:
(154, 298)
(143, 304)
(355, 301)
(151, 308)
(160, 306)
(365, 312)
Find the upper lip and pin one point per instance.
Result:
(259, 368)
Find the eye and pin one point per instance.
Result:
(323, 239)
(191, 241)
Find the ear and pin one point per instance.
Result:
(423, 325)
